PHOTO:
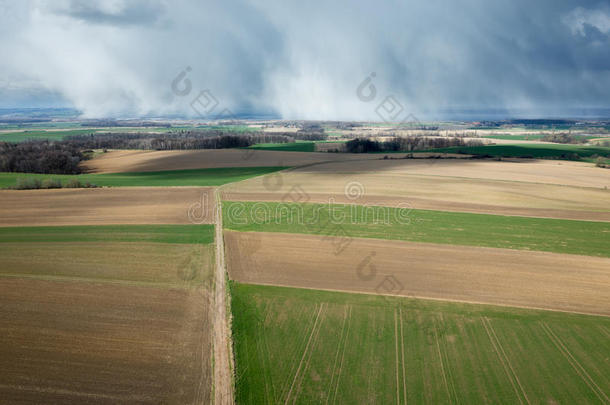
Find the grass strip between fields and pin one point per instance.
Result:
(187, 234)
(168, 256)
(167, 178)
(22, 136)
(543, 151)
(454, 228)
(312, 346)
(302, 146)
(533, 136)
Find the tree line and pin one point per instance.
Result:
(64, 156)
(41, 156)
(406, 144)
(563, 137)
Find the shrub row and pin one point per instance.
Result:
(563, 138)
(29, 183)
(406, 144)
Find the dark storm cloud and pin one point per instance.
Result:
(133, 12)
(306, 59)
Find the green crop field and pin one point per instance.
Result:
(286, 147)
(510, 137)
(110, 233)
(230, 128)
(192, 177)
(57, 135)
(544, 151)
(41, 126)
(530, 137)
(153, 255)
(15, 137)
(543, 234)
(315, 347)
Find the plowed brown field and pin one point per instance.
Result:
(486, 275)
(146, 161)
(70, 342)
(105, 206)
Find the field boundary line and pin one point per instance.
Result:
(264, 352)
(396, 356)
(440, 357)
(402, 346)
(294, 364)
(493, 331)
(511, 375)
(451, 380)
(341, 339)
(268, 354)
(574, 363)
(349, 324)
(304, 354)
(266, 348)
(308, 360)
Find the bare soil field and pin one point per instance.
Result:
(566, 173)
(484, 275)
(548, 189)
(576, 174)
(67, 342)
(146, 161)
(105, 206)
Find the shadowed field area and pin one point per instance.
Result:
(146, 161)
(316, 347)
(169, 178)
(546, 151)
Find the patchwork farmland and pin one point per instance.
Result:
(276, 274)
(312, 203)
(385, 293)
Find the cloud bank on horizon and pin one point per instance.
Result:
(304, 60)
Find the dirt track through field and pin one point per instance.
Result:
(223, 353)
(105, 206)
(474, 274)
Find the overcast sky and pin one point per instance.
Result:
(303, 59)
